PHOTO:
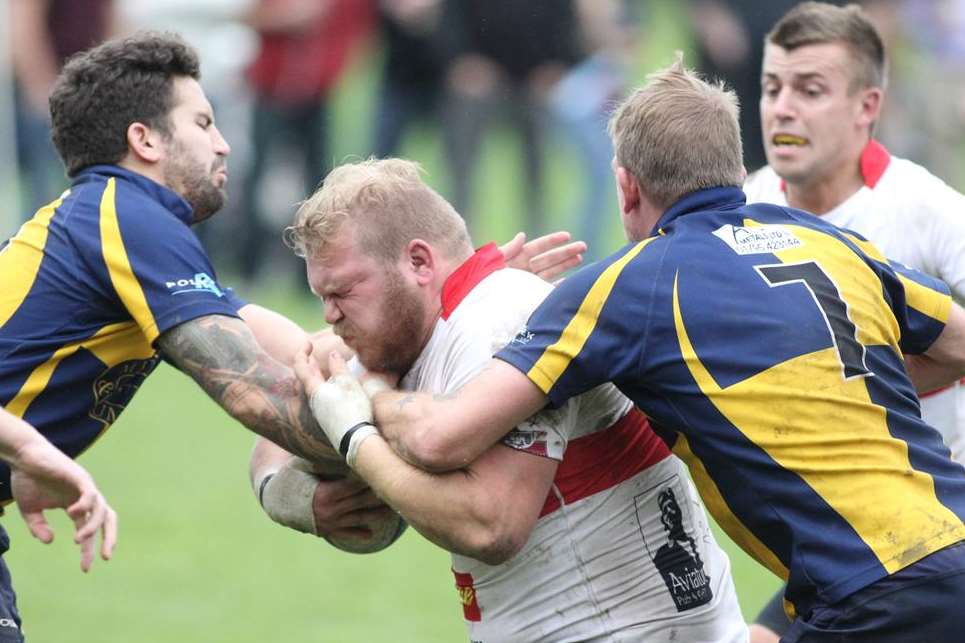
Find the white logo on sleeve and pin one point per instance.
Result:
(763, 239)
(201, 282)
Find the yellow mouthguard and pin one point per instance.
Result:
(788, 139)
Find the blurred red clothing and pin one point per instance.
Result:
(296, 66)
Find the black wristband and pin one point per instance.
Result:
(347, 437)
(261, 489)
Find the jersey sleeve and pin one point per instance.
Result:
(921, 305)
(591, 329)
(156, 265)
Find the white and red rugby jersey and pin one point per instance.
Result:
(913, 217)
(622, 550)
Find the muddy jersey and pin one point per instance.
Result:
(768, 346)
(622, 550)
(914, 218)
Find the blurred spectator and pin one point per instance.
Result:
(226, 46)
(506, 55)
(305, 46)
(412, 72)
(925, 116)
(44, 33)
(730, 46)
(581, 102)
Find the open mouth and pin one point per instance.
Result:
(788, 139)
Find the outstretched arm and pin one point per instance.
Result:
(225, 359)
(42, 478)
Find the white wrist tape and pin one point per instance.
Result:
(344, 412)
(286, 497)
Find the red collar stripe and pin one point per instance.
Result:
(460, 283)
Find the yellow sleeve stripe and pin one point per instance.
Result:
(119, 267)
(557, 357)
(20, 260)
(928, 302)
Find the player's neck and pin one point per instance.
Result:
(820, 196)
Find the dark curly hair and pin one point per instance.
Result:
(101, 91)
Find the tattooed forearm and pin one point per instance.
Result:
(222, 355)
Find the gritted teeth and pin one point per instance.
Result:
(788, 139)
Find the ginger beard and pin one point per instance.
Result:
(394, 347)
(188, 177)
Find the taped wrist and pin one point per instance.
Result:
(287, 495)
(352, 440)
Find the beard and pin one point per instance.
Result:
(398, 343)
(189, 178)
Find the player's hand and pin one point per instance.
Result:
(324, 342)
(44, 478)
(344, 507)
(546, 257)
(339, 404)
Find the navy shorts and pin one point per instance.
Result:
(9, 616)
(922, 602)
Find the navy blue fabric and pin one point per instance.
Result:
(923, 602)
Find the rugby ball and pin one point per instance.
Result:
(374, 535)
(382, 532)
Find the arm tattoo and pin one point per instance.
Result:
(224, 358)
(405, 401)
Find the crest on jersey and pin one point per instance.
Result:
(115, 387)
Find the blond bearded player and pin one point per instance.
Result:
(578, 525)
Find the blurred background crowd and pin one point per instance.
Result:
(504, 102)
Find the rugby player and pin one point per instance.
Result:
(766, 346)
(824, 80)
(578, 524)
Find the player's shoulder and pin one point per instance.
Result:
(496, 308)
(909, 182)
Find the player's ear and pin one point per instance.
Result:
(870, 106)
(420, 259)
(144, 142)
(628, 189)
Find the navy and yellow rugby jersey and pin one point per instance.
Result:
(88, 284)
(766, 345)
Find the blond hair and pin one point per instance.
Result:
(389, 205)
(817, 23)
(677, 134)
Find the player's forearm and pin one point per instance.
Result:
(222, 356)
(17, 438)
(266, 457)
(445, 432)
(410, 423)
(279, 336)
(454, 510)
